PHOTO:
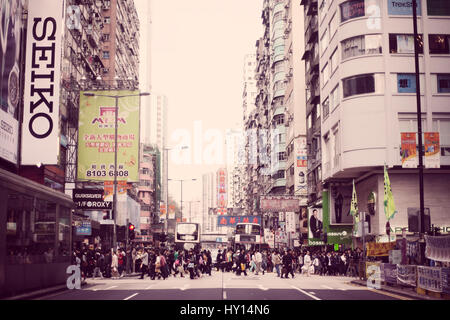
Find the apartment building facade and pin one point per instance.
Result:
(368, 98)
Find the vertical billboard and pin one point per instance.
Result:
(10, 35)
(40, 130)
(408, 150)
(222, 201)
(300, 168)
(96, 136)
(340, 201)
(432, 150)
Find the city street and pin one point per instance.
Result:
(225, 286)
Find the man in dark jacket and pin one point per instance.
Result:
(287, 264)
(218, 260)
(241, 264)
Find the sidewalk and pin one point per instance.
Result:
(42, 292)
(407, 292)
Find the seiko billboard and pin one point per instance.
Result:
(40, 132)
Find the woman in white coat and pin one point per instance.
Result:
(115, 266)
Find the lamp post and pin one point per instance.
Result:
(166, 169)
(419, 120)
(116, 111)
(181, 183)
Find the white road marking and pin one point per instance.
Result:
(342, 289)
(224, 295)
(111, 287)
(185, 287)
(150, 286)
(304, 292)
(262, 288)
(131, 296)
(326, 287)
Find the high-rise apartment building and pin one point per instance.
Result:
(368, 99)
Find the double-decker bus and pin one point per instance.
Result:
(187, 235)
(249, 236)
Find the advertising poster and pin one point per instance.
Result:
(315, 224)
(352, 9)
(40, 129)
(408, 150)
(429, 278)
(10, 31)
(432, 150)
(108, 191)
(96, 137)
(406, 275)
(340, 201)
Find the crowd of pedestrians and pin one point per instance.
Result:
(161, 263)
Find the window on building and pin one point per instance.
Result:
(360, 84)
(438, 7)
(443, 127)
(406, 83)
(439, 43)
(334, 98)
(325, 74)
(404, 43)
(334, 61)
(333, 25)
(105, 54)
(107, 20)
(308, 121)
(324, 41)
(443, 83)
(361, 45)
(318, 111)
(352, 9)
(326, 108)
(279, 119)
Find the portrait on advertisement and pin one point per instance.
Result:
(340, 200)
(315, 222)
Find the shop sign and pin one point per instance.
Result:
(90, 199)
(403, 7)
(352, 9)
(84, 229)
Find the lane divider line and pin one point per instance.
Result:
(326, 287)
(111, 287)
(131, 296)
(224, 295)
(306, 293)
(262, 288)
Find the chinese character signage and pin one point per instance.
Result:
(231, 221)
(429, 278)
(300, 170)
(222, 201)
(279, 204)
(96, 137)
(432, 150)
(40, 129)
(408, 150)
(10, 74)
(84, 229)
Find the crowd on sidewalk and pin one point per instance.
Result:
(160, 263)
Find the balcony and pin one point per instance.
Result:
(279, 183)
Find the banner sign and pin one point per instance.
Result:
(90, 199)
(429, 278)
(432, 150)
(403, 7)
(290, 222)
(108, 188)
(408, 150)
(96, 136)
(222, 201)
(10, 30)
(438, 248)
(406, 275)
(231, 221)
(279, 204)
(300, 170)
(40, 129)
(378, 249)
(390, 273)
(445, 274)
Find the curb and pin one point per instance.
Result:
(398, 291)
(39, 293)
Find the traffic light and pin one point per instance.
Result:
(131, 234)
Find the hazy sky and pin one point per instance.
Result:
(197, 52)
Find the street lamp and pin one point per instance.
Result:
(181, 183)
(166, 169)
(116, 111)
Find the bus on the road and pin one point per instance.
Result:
(249, 236)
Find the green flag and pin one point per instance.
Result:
(389, 206)
(354, 208)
